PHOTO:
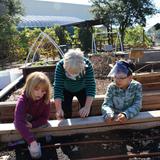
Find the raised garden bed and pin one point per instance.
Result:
(118, 144)
(46, 67)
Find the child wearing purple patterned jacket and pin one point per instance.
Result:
(32, 109)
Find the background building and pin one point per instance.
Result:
(51, 8)
(46, 13)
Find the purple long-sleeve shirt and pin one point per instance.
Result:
(38, 110)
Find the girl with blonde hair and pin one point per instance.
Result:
(32, 109)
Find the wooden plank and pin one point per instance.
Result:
(150, 81)
(136, 54)
(147, 77)
(146, 74)
(96, 110)
(154, 107)
(83, 125)
(13, 136)
(44, 68)
(128, 155)
(7, 110)
(151, 101)
(98, 98)
(151, 93)
(151, 86)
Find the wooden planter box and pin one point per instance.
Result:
(48, 69)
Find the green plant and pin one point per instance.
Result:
(136, 37)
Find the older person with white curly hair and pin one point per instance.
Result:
(74, 76)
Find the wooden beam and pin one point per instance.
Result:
(151, 86)
(91, 124)
(147, 77)
(7, 110)
(149, 80)
(128, 155)
(151, 101)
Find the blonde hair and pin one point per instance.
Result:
(34, 80)
(74, 60)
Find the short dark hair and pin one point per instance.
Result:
(130, 65)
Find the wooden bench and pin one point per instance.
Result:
(151, 101)
(148, 119)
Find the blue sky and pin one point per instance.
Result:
(150, 20)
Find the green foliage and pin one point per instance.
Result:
(51, 32)
(85, 37)
(82, 38)
(62, 35)
(9, 11)
(27, 37)
(105, 40)
(123, 13)
(136, 37)
(75, 38)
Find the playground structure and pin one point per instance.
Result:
(110, 43)
(101, 43)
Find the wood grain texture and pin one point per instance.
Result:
(91, 124)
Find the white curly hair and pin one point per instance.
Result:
(74, 61)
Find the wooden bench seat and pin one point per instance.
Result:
(151, 101)
(91, 124)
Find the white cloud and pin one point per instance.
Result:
(157, 4)
(85, 2)
(151, 21)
